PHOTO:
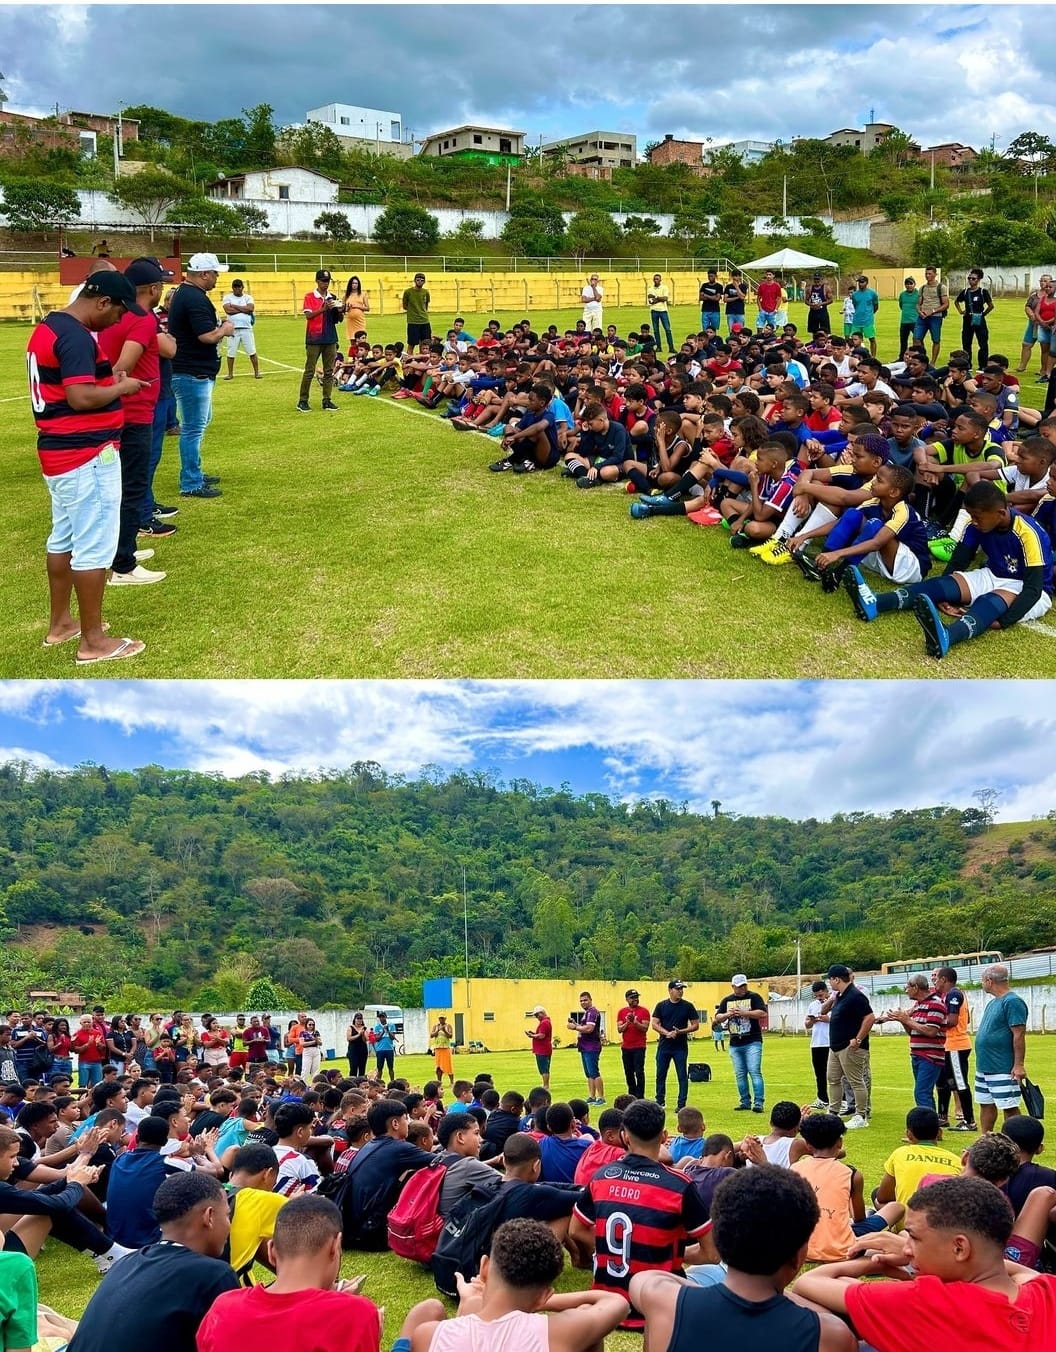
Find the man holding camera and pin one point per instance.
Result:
(542, 1037)
(321, 312)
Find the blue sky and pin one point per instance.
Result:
(942, 72)
(797, 749)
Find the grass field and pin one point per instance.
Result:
(373, 542)
(67, 1279)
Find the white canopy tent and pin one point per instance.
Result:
(789, 260)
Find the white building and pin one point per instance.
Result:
(363, 124)
(289, 184)
(748, 152)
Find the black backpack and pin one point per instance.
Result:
(466, 1238)
(365, 1224)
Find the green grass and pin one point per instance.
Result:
(373, 542)
(67, 1279)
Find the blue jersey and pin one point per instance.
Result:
(562, 412)
(904, 523)
(1009, 553)
(1045, 515)
(547, 418)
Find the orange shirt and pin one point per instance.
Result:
(831, 1181)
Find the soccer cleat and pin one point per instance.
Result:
(856, 1122)
(942, 549)
(374, 391)
(861, 594)
(740, 542)
(808, 567)
(640, 510)
(764, 548)
(498, 430)
(525, 467)
(584, 482)
(832, 578)
(936, 639)
(501, 465)
(778, 555)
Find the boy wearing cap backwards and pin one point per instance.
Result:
(743, 1013)
(415, 302)
(134, 345)
(76, 404)
(674, 1019)
(321, 310)
(632, 1024)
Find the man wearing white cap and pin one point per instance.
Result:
(198, 331)
(542, 1036)
(743, 1013)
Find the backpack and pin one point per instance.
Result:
(465, 1238)
(414, 1223)
(362, 1225)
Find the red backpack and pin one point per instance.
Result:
(415, 1221)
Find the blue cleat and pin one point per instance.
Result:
(640, 510)
(861, 594)
(936, 639)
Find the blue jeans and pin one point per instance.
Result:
(194, 399)
(662, 318)
(667, 1055)
(710, 319)
(164, 416)
(89, 1073)
(929, 326)
(746, 1062)
(926, 1075)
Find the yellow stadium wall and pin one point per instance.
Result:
(494, 1011)
(492, 293)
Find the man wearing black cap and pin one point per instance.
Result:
(632, 1023)
(415, 302)
(77, 406)
(134, 344)
(674, 1019)
(321, 310)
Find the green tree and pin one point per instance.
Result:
(151, 194)
(260, 133)
(592, 232)
(263, 994)
(534, 229)
(996, 239)
(39, 206)
(733, 234)
(406, 230)
(335, 225)
(1030, 152)
(254, 220)
(553, 922)
(208, 216)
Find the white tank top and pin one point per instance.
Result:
(777, 1151)
(514, 1332)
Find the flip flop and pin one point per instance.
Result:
(57, 643)
(128, 647)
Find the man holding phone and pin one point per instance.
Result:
(134, 346)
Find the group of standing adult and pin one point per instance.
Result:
(840, 1019)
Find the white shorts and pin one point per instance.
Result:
(242, 338)
(905, 571)
(982, 581)
(1001, 1090)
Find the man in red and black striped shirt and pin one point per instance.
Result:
(926, 1025)
(636, 1213)
(77, 407)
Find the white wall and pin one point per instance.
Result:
(362, 122)
(289, 218)
(1040, 1001)
(332, 1024)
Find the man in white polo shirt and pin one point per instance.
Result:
(239, 307)
(592, 296)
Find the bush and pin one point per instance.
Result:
(335, 225)
(407, 230)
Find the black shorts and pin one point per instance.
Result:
(418, 333)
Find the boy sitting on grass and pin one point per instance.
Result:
(533, 444)
(1015, 585)
(1027, 477)
(840, 1190)
(885, 535)
(919, 1157)
(951, 466)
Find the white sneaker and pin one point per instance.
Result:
(856, 1121)
(138, 577)
(819, 1103)
(105, 1261)
(142, 555)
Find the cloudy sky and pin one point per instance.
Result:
(942, 72)
(795, 749)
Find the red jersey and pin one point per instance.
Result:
(614, 407)
(634, 1033)
(823, 422)
(643, 1215)
(543, 1038)
(256, 1317)
(882, 1312)
(138, 326)
(62, 352)
(596, 1155)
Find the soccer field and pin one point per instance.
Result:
(373, 542)
(67, 1279)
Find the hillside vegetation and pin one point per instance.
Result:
(183, 887)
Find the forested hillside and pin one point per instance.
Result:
(179, 887)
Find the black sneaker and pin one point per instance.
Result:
(304, 406)
(206, 491)
(157, 529)
(740, 542)
(832, 578)
(211, 478)
(758, 1108)
(163, 513)
(807, 566)
(743, 1108)
(328, 406)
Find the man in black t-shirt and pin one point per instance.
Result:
(673, 1021)
(159, 1295)
(743, 1013)
(850, 1019)
(376, 1175)
(198, 332)
(710, 299)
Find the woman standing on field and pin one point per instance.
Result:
(357, 307)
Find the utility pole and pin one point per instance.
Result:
(465, 920)
(933, 171)
(784, 196)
